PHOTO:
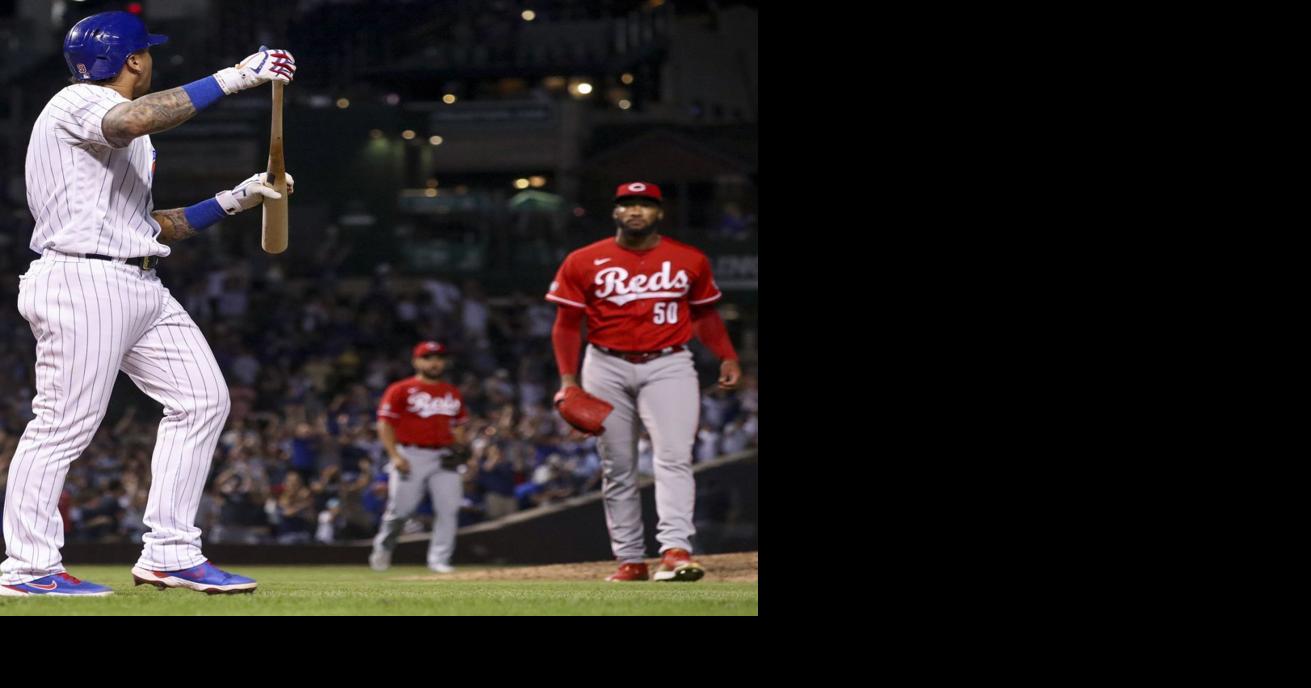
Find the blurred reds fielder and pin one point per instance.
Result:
(415, 419)
(644, 296)
(97, 307)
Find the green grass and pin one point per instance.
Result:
(355, 590)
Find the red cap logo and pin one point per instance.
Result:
(642, 189)
(427, 348)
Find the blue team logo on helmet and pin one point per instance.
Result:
(96, 47)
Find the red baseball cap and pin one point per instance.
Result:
(643, 189)
(427, 348)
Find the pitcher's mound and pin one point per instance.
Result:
(738, 567)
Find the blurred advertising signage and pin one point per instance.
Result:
(494, 113)
(443, 255)
(415, 201)
(737, 272)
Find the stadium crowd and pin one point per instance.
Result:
(306, 361)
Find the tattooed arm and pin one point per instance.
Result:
(162, 111)
(148, 114)
(173, 225)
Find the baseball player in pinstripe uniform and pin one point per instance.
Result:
(96, 306)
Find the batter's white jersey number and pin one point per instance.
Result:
(666, 313)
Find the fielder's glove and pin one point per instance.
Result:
(582, 410)
(269, 64)
(251, 193)
(456, 456)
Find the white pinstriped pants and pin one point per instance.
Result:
(91, 319)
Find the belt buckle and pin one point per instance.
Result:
(149, 262)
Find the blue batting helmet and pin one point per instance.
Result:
(96, 47)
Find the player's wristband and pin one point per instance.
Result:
(204, 213)
(204, 92)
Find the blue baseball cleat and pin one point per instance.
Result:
(58, 585)
(206, 578)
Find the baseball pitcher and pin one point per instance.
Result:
(644, 296)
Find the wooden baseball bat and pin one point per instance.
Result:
(274, 239)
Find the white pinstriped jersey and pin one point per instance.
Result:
(86, 195)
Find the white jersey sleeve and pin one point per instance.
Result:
(80, 113)
(86, 195)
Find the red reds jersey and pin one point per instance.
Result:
(422, 412)
(636, 300)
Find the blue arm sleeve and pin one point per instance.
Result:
(204, 213)
(203, 92)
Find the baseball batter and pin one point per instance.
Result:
(96, 306)
(644, 296)
(415, 421)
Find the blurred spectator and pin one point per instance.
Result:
(295, 511)
(718, 406)
(244, 368)
(305, 451)
(553, 482)
(445, 296)
(241, 511)
(736, 438)
(98, 516)
(474, 316)
(328, 519)
(496, 480)
(734, 224)
(707, 444)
